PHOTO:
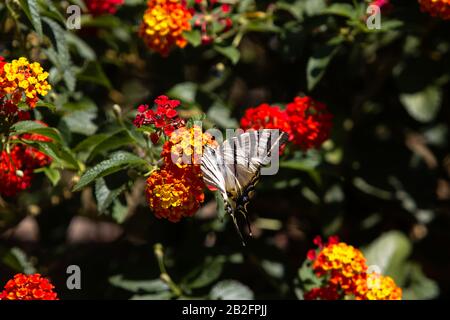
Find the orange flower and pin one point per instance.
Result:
(185, 148)
(174, 194)
(436, 8)
(28, 287)
(21, 78)
(344, 271)
(163, 25)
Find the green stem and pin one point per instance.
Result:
(158, 249)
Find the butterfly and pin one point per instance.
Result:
(234, 168)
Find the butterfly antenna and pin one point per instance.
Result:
(248, 226)
(237, 228)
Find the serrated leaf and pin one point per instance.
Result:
(82, 47)
(104, 195)
(31, 9)
(118, 161)
(423, 106)
(113, 141)
(231, 290)
(231, 53)
(38, 128)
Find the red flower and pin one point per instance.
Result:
(310, 122)
(265, 117)
(15, 176)
(17, 166)
(99, 7)
(10, 114)
(28, 287)
(165, 118)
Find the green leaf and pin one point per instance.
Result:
(153, 286)
(318, 63)
(231, 53)
(185, 92)
(81, 46)
(114, 141)
(420, 286)
(47, 105)
(38, 128)
(206, 274)
(104, 195)
(423, 106)
(31, 9)
(220, 114)
(61, 155)
(80, 116)
(194, 37)
(119, 211)
(341, 9)
(231, 290)
(118, 161)
(93, 73)
(53, 175)
(17, 260)
(389, 253)
(63, 62)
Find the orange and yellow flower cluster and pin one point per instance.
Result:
(163, 25)
(28, 287)
(436, 8)
(20, 78)
(344, 272)
(176, 189)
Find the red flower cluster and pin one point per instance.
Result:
(212, 17)
(310, 122)
(307, 121)
(17, 165)
(343, 271)
(436, 8)
(165, 118)
(10, 114)
(99, 7)
(28, 287)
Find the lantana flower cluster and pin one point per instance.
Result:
(21, 79)
(175, 190)
(344, 273)
(17, 165)
(212, 17)
(436, 8)
(163, 25)
(307, 121)
(100, 7)
(28, 287)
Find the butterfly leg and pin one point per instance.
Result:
(233, 216)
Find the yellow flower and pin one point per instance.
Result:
(21, 78)
(163, 25)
